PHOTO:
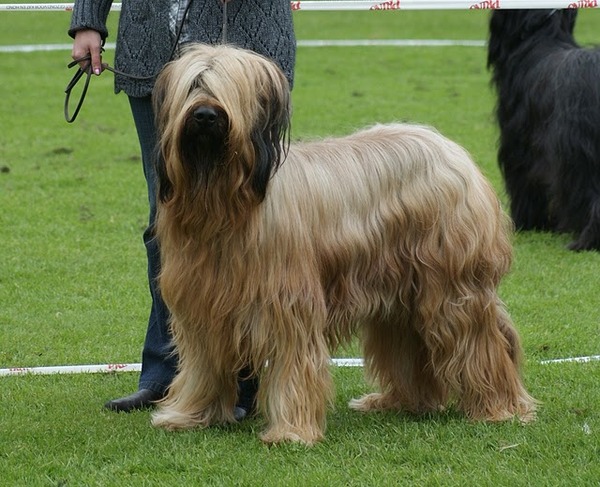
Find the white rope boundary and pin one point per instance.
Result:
(350, 5)
(27, 48)
(114, 368)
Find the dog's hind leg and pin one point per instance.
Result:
(397, 359)
(492, 387)
(475, 351)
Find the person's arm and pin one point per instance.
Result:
(88, 29)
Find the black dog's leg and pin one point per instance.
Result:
(524, 171)
(589, 238)
(529, 207)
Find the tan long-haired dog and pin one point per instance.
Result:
(391, 231)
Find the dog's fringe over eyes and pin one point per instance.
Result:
(391, 233)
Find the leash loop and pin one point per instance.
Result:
(87, 72)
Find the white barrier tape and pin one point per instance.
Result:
(302, 43)
(37, 48)
(71, 369)
(591, 358)
(347, 362)
(112, 368)
(338, 5)
(390, 43)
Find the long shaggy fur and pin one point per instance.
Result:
(391, 232)
(548, 111)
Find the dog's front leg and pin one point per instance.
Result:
(203, 392)
(296, 385)
(196, 400)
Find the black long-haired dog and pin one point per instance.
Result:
(548, 111)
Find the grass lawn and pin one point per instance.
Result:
(73, 280)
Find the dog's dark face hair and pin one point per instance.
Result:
(217, 113)
(204, 136)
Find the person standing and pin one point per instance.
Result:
(149, 35)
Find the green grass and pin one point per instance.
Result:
(73, 281)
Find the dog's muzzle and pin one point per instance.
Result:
(205, 116)
(208, 122)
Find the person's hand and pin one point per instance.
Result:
(86, 42)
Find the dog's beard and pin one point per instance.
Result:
(203, 148)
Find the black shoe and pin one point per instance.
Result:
(247, 388)
(240, 413)
(142, 399)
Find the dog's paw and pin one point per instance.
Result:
(173, 421)
(528, 411)
(307, 437)
(369, 402)
(581, 245)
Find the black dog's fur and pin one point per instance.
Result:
(548, 111)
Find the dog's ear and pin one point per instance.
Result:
(164, 189)
(555, 23)
(159, 94)
(164, 186)
(270, 137)
(569, 16)
(498, 27)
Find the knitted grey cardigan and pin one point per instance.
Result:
(144, 38)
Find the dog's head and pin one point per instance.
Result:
(223, 116)
(511, 29)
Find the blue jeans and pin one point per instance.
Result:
(159, 364)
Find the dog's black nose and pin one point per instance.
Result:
(205, 116)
